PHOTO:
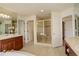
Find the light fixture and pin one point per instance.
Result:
(8, 16)
(1, 15)
(42, 10)
(4, 15)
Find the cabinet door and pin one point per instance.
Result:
(18, 43)
(10, 44)
(0, 46)
(4, 45)
(7, 44)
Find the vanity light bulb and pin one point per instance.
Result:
(1, 14)
(42, 10)
(8, 16)
(4, 15)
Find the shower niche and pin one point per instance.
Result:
(44, 31)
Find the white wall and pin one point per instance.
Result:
(56, 23)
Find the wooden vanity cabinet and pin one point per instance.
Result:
(71, 52)
(18, 43)
(0, 45)
(14, 43)
(7, 44)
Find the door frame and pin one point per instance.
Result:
(63, 31)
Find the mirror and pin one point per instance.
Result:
(7, 24)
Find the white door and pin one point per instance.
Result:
(68, 28)
(21, 29)
(30, 30)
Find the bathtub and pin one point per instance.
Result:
(15, 53)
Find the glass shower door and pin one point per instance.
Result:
(44, 31)
(39, 30)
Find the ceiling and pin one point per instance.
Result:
(34, 8)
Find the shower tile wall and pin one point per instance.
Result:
(44, 31)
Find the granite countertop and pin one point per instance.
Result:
(74, 44)
(6, 36)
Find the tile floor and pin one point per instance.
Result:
(43, 50)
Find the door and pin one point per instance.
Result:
(21, 28)
(68, 29)
(30, 30)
